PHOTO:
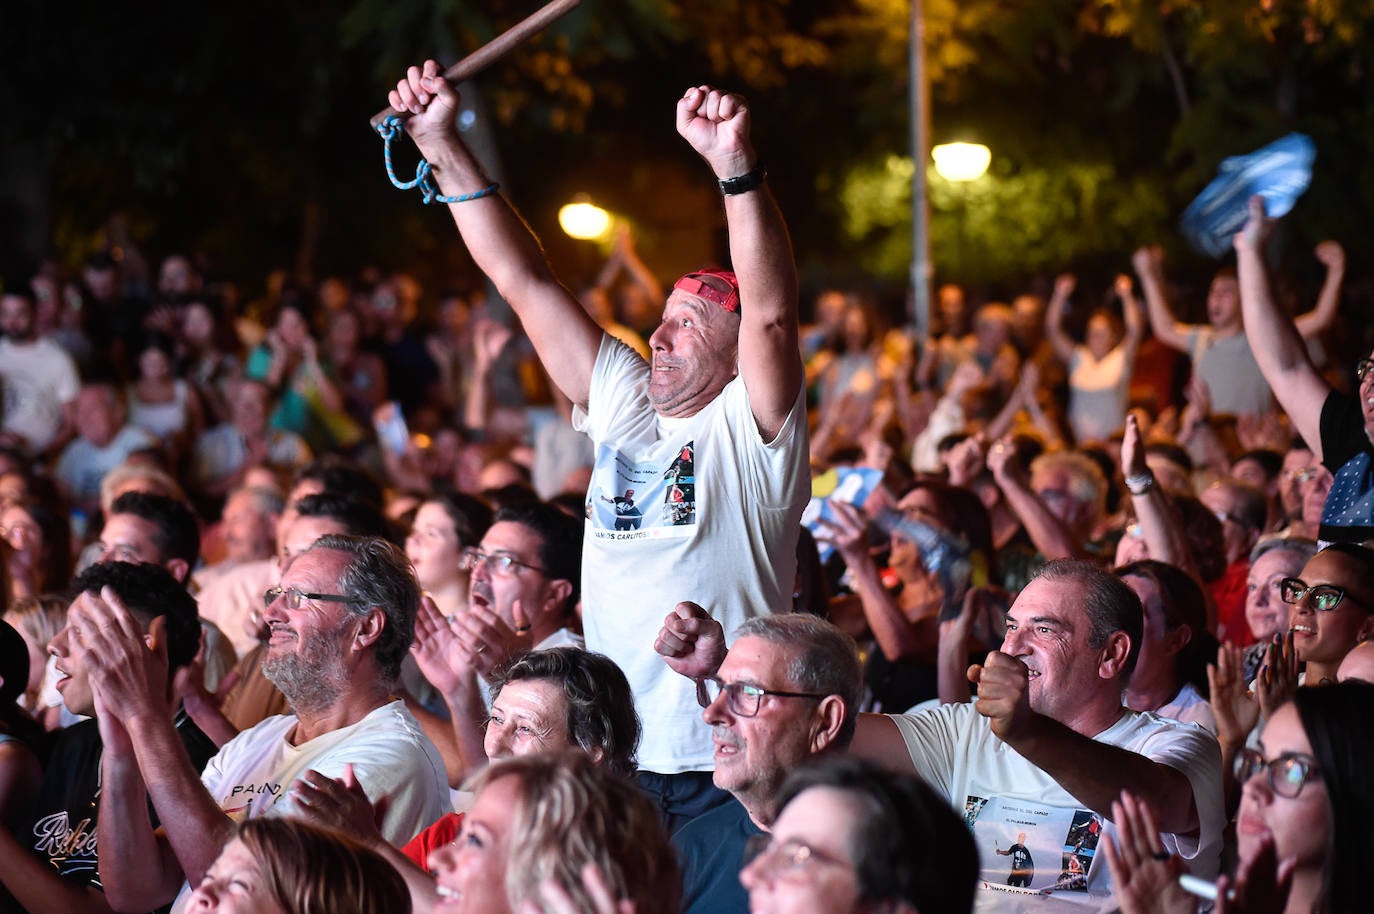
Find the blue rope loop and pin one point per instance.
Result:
(392, 127)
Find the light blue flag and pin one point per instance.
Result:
(1279, 173)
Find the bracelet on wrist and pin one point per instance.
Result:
(742, 184)
(487, 191)
(1140, 483)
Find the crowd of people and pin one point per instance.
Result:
(308, 608)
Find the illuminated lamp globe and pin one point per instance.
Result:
(961, 161)
(584, 220)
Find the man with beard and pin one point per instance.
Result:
(341, 621)
(253, 698)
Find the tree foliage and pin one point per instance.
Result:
(234, 128)
(1107, 116)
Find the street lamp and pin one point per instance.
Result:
(961, 162)
(584, 220)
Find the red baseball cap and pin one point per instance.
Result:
(693, 284)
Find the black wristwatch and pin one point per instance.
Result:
(744, 183)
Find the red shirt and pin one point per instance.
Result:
(1229, 593)
(431, 839)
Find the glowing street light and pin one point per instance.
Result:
(584, 220)
(961, 161)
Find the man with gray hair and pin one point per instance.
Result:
(787, 691)
(341, 621)
(1048, 747)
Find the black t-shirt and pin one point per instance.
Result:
(64, 826)
(896, 685)
(1348, 516)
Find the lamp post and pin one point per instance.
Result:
(919, 101)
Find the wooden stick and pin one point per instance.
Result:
(495, 49)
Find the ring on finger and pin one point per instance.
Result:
(481, 648)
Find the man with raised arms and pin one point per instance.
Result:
(724, 381)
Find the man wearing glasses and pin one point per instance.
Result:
(787, 692)
(341, 621)
(525, 586)
(522, 596)
(1330, 608)
(1294, 477)
(1337, 427)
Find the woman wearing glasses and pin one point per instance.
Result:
(1331, 608)
(851, 837)
(1303, 830)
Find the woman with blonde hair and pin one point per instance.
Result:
(282, 866)
(557, 832)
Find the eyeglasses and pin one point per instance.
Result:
(1325, 597)
(1363, 367)
(501, 563)
(1055, 496)
(787, 857)
(1302, 475)
(742, 699)
(1225, 516)
(294, 597)
(1287, 773)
